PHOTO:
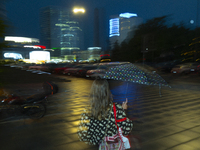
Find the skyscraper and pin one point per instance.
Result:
(120, 26)
(2, 10)
(60, 31)
(100, 28)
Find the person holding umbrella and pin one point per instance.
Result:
(103, 120)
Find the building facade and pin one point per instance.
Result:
(120, 26)
(100, 29)
(20, 47)
(60, 31)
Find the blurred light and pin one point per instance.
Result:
(55, 48)
(21, 39)
(127, 15)
(41, 46)
(104, 55)
(114, 27)
(48, 49)
(39, 55)
(79, 10)
(32, 46)
(13, 55)
(94, 48)
(192, 21)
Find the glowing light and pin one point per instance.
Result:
(39, 55)
(21, 39)
(94, 48)
(35, 46)
(104, 55)
(192, 21)
(79, 10)
(48, 49)
(32, 46)
(114, 27)
(127, 15)
(41, 46)
(13, 55)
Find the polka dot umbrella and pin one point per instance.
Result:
(132, 73)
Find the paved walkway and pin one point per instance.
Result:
(170, 122)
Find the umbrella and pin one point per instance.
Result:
(136, 74)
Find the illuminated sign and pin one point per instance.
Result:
(114, 27)
(39, 55)
(21, 39)
(32, 46)
(41, 46)
(94, 48)
(35, 46)
(13, 55)
(127, 15)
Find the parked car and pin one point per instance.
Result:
(185, 68)
(26, 66)
(166, 66)
(81, 72)
(60, 68)
(71, 70)
(35, 67)
(195, 67)
(17, 64)
(49, 67)
(98, 72)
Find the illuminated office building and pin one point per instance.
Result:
(120, 27)
(20, 47)
(60, 31)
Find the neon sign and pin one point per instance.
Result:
(127, 15)
(114, 27)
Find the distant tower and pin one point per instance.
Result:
(2, 9)
(100, 28)
(120, 27)
(60, 31)
(96, 28)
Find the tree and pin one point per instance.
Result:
(3, 27)
(155, 39)
(115, 56)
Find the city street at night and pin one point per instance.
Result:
(146, 52)
(169, 121)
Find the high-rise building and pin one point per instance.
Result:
(2, 9)
(120, 27)
(60, 31)
(100, 28)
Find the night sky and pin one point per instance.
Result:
(24, 14)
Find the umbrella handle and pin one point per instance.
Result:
(160, 89)
(126, 89)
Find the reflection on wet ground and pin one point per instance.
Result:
(167, 122)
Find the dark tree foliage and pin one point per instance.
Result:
(3, 27)
(116, 52)
(156, 41)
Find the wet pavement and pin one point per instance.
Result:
(167, 122)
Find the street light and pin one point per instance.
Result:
(78, 10)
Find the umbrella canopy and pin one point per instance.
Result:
(134, 73)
